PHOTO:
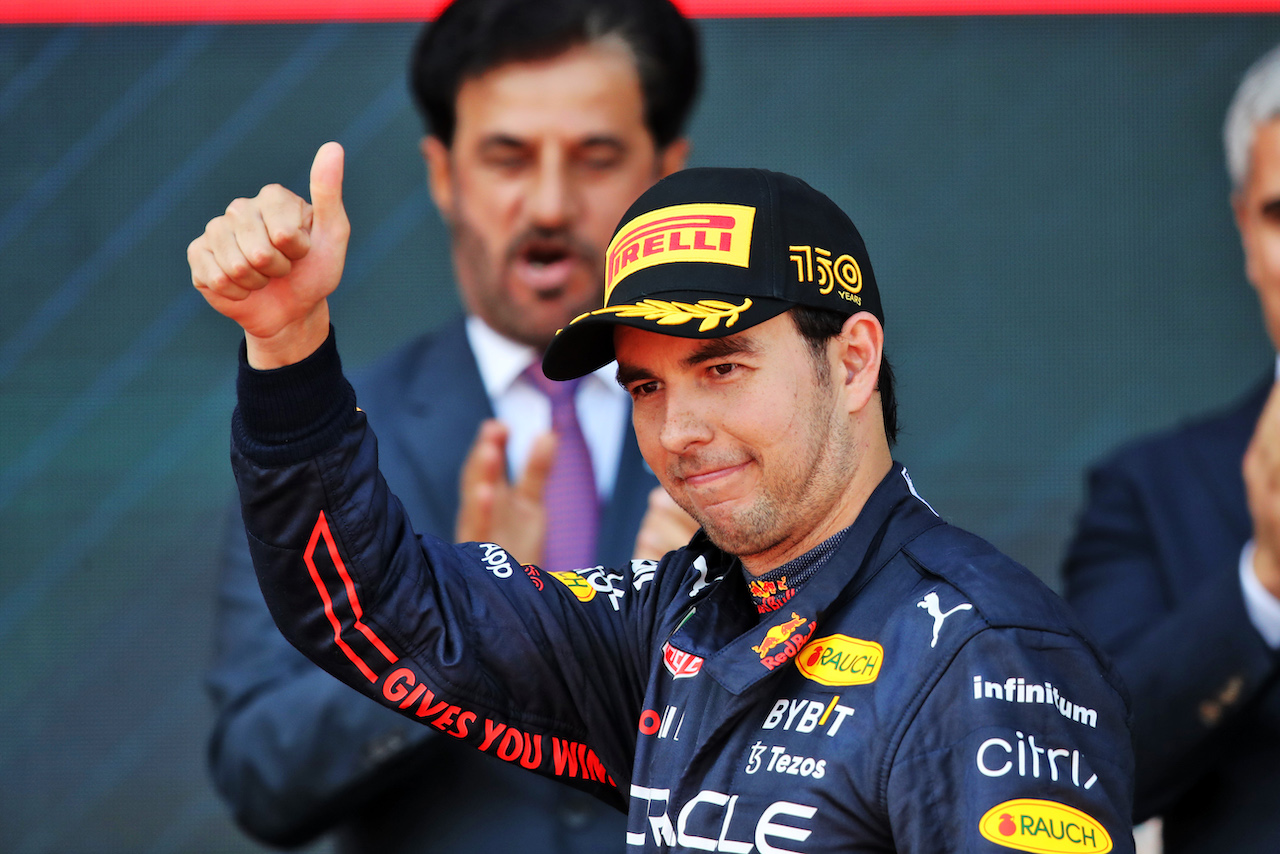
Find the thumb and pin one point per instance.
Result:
(326, 187)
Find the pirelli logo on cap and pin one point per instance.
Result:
(711, 233)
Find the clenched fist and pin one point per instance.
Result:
(270, 262)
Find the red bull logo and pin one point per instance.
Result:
(709, 233)
(770, 595)
(767, 588)
(787, 638)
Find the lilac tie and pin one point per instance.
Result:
(573, 510)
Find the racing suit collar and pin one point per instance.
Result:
(892, 517)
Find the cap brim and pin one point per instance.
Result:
(587, 343)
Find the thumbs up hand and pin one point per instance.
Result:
(269, 263)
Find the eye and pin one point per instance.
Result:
(643, 389)
(600, 157)
(604, 163)
(506, 158)
(513, 163)
(723, 369)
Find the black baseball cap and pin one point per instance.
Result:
(706, 253)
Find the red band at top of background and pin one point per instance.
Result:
(305, 11)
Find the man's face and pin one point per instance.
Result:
(1257, 209)
(547, 155)
(745, 433)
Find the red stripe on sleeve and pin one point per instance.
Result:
(322, 530)
(351, 594)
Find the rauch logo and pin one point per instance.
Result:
(841, 660)
(580, 586)
(1045, 827)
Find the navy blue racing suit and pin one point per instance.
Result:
(920, 693)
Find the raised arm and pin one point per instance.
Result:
(545, 672)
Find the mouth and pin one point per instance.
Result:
(545, 265)
(711, 476)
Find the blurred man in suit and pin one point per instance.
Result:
(545, 119)
(1176, 562)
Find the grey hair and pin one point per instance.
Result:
(1256, 102)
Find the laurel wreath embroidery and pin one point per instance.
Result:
(708, 311)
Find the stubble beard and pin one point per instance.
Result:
(488, 295)
(790, 507)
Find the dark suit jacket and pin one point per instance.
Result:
(296, 753)
(1153, 571)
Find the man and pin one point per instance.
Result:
(545, 120)
(826, 667)
(1175, 565)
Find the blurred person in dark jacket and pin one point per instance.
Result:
(1175, 565)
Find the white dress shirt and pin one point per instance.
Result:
(1262, 607)
(602, 406)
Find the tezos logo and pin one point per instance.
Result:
(1045, 827)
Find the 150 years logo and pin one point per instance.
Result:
(843, 271)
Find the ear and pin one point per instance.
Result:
(439, 174)
(858, 350)
(673, 157)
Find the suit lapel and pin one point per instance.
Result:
(1218, 455)
(424, 444)
(425, 436)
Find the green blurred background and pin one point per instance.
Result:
(1043, 198)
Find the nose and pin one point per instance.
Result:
(685, 424)
(553, 199)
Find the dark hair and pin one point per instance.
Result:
(471, 37)
(818, 326)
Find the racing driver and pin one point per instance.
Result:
(826, 666)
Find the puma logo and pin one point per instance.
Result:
(700, 564)
(931, 605)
